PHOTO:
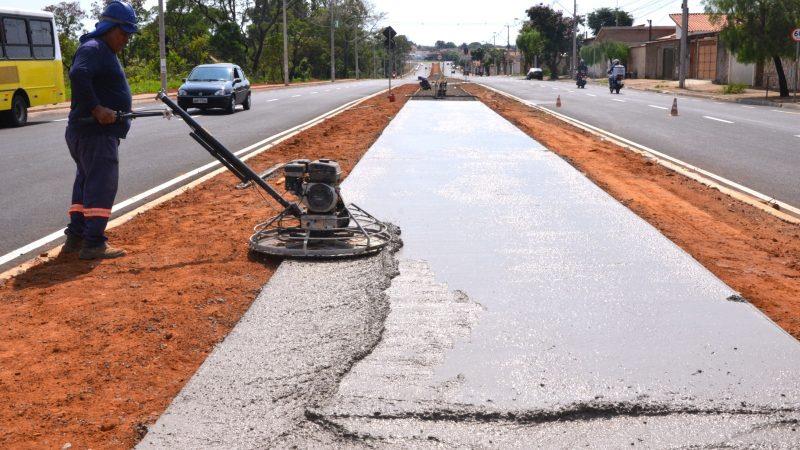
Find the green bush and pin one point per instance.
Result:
(734, 88)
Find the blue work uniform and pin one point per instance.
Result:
(97, 78)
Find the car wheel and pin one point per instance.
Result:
(247, 102)
(231, 105)
(18, 114)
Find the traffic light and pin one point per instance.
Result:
(389, 34)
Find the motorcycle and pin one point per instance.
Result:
(580, 80)
(616, 83)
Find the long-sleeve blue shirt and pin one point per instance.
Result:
(98, 79)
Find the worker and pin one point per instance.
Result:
(99, 90)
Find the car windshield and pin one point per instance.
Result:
(210, 74)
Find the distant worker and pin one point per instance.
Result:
(99, 89)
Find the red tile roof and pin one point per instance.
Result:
(700, 23)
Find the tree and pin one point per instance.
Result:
(69, 18)
(530, 43)
(608, 17)
(758, 30)
(605, 51)
(556, 31)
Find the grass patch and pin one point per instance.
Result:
(734, 88)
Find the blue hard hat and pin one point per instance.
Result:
(117, 14)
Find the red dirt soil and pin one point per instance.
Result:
(90, 353)
(752, 251)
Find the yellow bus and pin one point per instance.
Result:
(31, 72)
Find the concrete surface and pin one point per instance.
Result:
(529, 309)
(587, 312)
(755, 146)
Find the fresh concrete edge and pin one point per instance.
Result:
(52, 253)
(744, 194)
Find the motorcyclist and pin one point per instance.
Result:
(582, 68)
(615, 71)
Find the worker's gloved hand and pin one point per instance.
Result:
(103, 115)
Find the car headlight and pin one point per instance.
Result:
(181, 92)
(221, 92)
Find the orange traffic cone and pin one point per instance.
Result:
(674, 111)
(558, 102)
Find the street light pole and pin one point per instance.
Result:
(162, 46)
(355, 43)
(285, 48)
(333, 45)
(684, 44)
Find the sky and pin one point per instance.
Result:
(427, 21)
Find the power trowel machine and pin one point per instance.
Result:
(318, 225)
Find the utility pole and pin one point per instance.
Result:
(333, 45)
(285, 48)
(573, 64)
(355, 43)
(649, 30)
(162, 45)
(684, 44)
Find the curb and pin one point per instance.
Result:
(780, 210)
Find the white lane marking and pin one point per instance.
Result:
(571, 91)
(10, 256)
(749, 107)
(591, 95)
(272, 100)
(60, 120)
(797, 135)
(618, 100)
(718, 120)
(658, 107)
(296, 95)
(338, 89)
(784, 112)
(315, 92)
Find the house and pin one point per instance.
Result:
(635, 37)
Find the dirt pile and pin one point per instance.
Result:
(92, 352)
(754, 252)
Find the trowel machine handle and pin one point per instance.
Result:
(226, 157)
(120, 115)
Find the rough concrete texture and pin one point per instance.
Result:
(593, 327)
(309, 325)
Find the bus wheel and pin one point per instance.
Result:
(18, 115)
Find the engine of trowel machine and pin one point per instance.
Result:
(316, 184)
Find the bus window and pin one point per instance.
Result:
(42, 38)
(2, 41)
(16, 34)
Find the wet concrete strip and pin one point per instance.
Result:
(308, 326)
(588, 316)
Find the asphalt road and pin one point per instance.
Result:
(755, 146)
(36, 171)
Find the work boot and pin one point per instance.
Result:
(73, 244)
(102, 252)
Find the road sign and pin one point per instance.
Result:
(796, 34)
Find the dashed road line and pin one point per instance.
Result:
(717, 119)
(658, 107)
(315, 92)
(591, 95)
(272, 100)
(618, 100)
(296, 95)
(749, 107)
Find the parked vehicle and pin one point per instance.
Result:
(535, 73)
(580, 80)
(31, 72)
(215, 86)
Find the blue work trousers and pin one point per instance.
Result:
(96, 179)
